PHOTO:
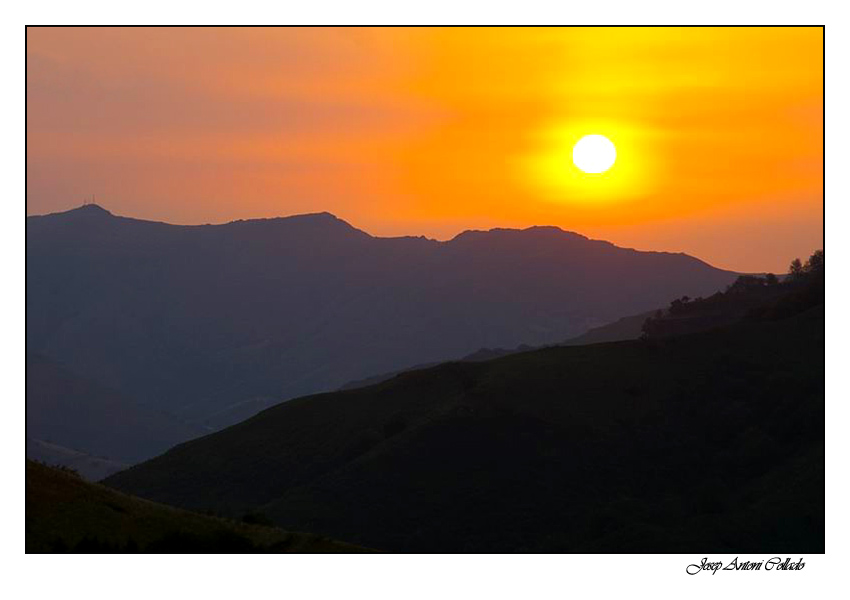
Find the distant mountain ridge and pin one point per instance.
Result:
(77, 422)
(209, 320)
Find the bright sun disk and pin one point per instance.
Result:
(594, 154)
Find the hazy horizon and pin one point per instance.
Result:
(446, 238)
(718, 131)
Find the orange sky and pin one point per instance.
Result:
(719, 132)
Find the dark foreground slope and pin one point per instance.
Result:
(65, 513)
(711, 442)
(624, 328)
(88, 466)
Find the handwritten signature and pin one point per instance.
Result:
(774, 564)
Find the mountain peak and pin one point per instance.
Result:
(84, 210)
(319, 217)
(82, 214)
(534, 232)
(91, 209)
(320, 221)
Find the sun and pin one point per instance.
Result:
(604, 175)
(594, 154)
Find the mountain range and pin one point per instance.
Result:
(203, 326)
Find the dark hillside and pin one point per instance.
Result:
(91, 467)
(67, 514)
(625, 328)
(749, 297)
(711, 442)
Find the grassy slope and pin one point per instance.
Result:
(708, 442)
(93, 468)
(62, 510)
(626, 328)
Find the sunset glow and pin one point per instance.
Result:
(464, 290)
(718, 132)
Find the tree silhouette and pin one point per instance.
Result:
(795, 270)
(815, 262)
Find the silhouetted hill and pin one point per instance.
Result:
(207, 321)
(238, 412)
(750, 297)
(625, 328)
(66, 514)
(65, 410)
(477, 356)
(93, 468)
(711, 442)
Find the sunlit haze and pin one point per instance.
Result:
(718, 132)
